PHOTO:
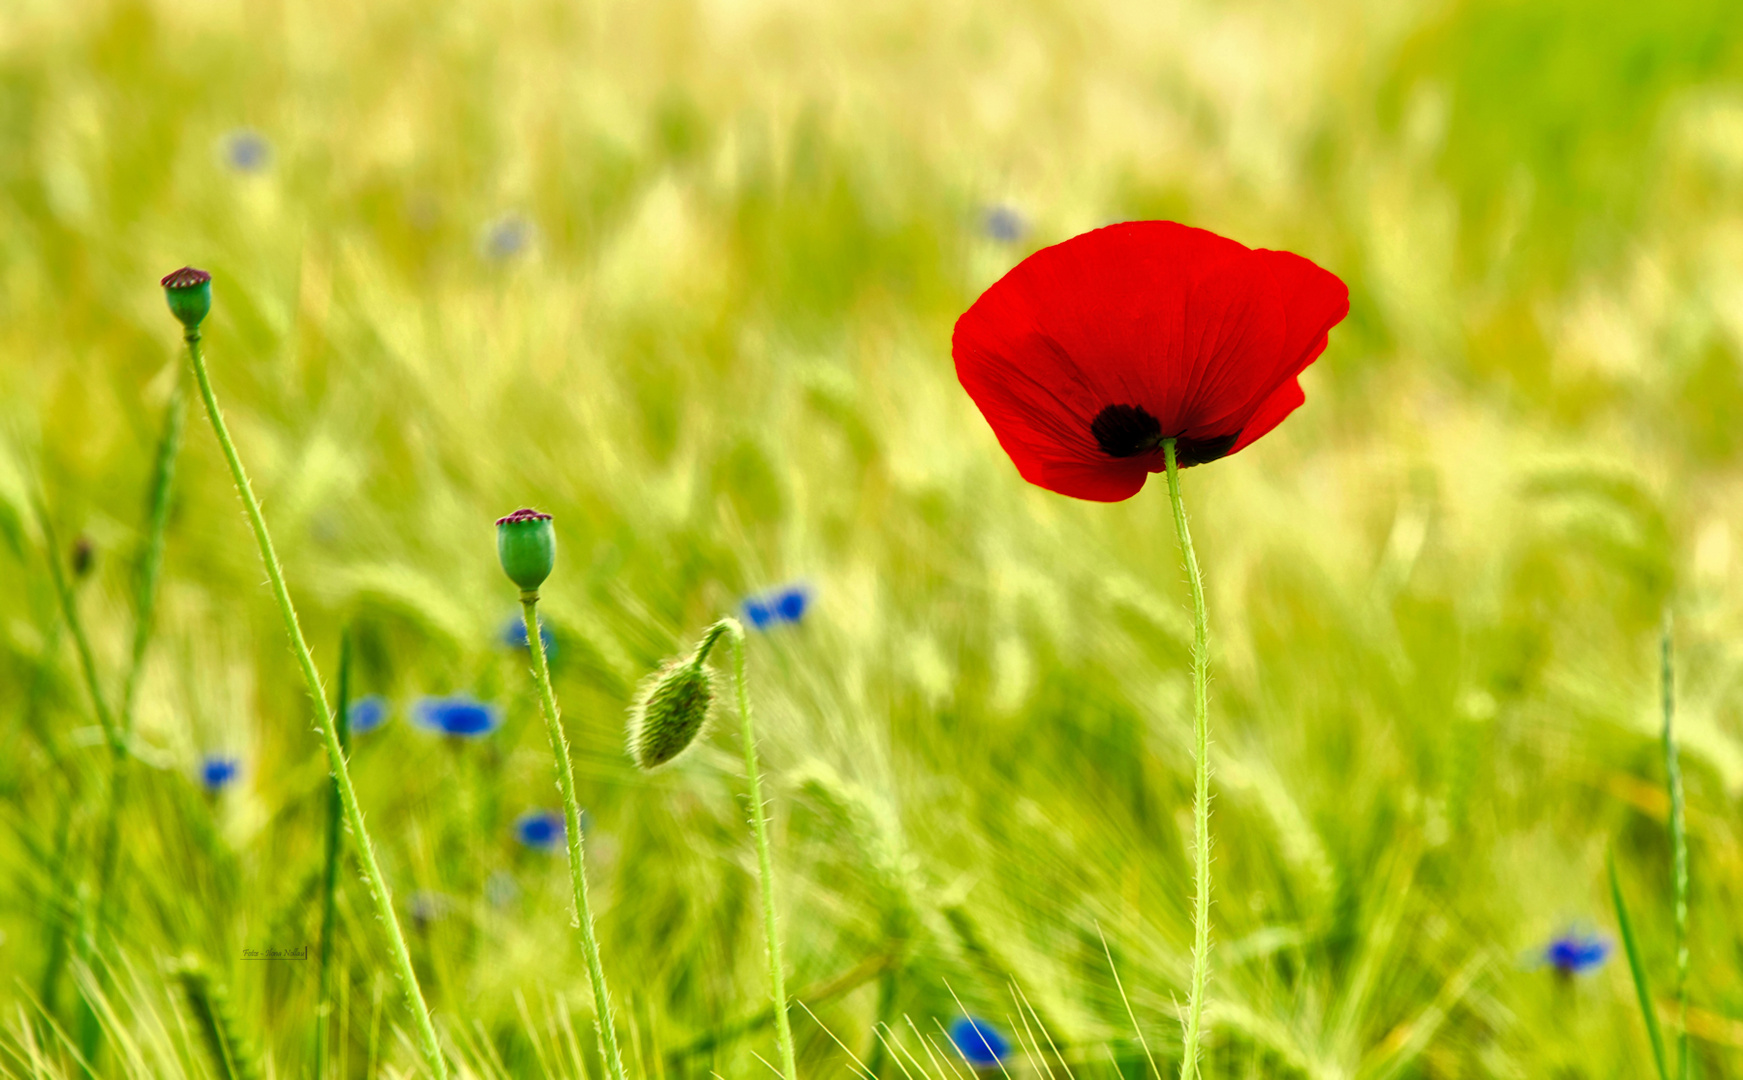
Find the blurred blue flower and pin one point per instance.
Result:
(979, 1043)
(366, 714)
(758, 614)
(218, 771)
(247, 151)
(457, 715)
(541, 830)
(507, 236)
(1004, 224)
(781, 606)
(514, 635)
(790, 603)
(1574, 952)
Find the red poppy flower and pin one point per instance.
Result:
(1089, 353)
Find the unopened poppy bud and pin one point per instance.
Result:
(189, 293)
(672, 711)
(527, 545)
(84, 557)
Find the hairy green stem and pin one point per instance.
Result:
(428, 1041)
(529, 602)
(765, 863)
(1201, 777)
(1679, 852)
(330, 877)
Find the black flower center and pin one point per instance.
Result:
(1125, 431)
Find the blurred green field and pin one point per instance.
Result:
(684, 275)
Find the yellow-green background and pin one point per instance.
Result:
(723, 363)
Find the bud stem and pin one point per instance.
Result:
(603, 1021)
(428, 1041)
(1201, 769)
(760, 822)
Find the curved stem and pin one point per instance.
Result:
(428, 1042)
(1201, 777)
(85, 936)
(70, 612)
(765, 863)
(529, 603)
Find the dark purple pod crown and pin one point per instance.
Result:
(527, 545)
(189, 292)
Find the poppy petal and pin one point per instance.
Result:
(1283, 401)
(1190, 334)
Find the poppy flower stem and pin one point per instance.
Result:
(765, 863)
(1201, 779)
(330, 874)
(529, 603)
(428, 1041)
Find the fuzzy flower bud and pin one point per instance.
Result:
(527, 545)
(671, 711)
(189, 293)
(84, 557)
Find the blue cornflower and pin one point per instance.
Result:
(457, 715)
(757, 613)
(507, 236)
(1004, 224)
(366, 714)
(514, 635)
(541, 830)
(218, 771)
(1574, 952)
(781, 606)
(247, 151)
(979, 1043)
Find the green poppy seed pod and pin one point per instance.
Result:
(671, 712)
(527, 545)
(189, 293)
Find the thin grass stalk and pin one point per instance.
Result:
(1679, 851)
(428, 1042)
(150, 566)
(60, 910)
(39, 683)
(70, 612)
(1201, 778)
(604, 1021)
(60, 915)
(330, 877)
(233, 1058)
(86, 1025)
(765, 862)
(1637, 969)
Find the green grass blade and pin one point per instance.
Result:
(1638, 970)
(1679, 846)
